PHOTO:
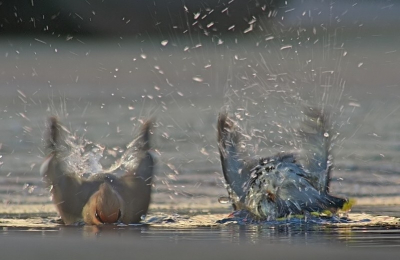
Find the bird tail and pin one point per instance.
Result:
(336, 202)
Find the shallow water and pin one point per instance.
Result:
(357, 230)
(103, 96)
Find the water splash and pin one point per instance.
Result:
(85, 157)
(224, 200)
(243, 217)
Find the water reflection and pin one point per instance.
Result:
(289, 233)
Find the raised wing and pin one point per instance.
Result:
(317, 147)
(52, 167)
(236, 170)
(137, 159)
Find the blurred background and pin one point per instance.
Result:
(213, 25)
(174, 17)
(121, 18)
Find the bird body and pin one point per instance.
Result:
(103, 197)
(278, 186)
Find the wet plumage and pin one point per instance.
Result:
(278, 186)
(103, 197)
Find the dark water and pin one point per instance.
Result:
(287, 234)
(225, 242)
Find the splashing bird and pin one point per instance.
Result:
(103, 197)
(278, 186)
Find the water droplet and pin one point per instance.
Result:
(197, 79)
(326, 134)
(353, 104)
(249, 29)
(224, 200)
(269, 38)
(164, 42)
(142, 217)
(286, 47)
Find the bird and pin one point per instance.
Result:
(269, 188)
(102, 198)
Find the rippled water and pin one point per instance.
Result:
(291, 233)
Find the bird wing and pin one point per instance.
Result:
(53, 168)
(296, 195)
(317, 147)
(236, 170)
(137, 160)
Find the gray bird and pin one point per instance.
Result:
(103, 197)
(274, 187)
